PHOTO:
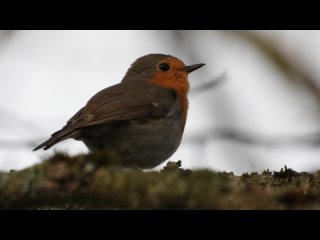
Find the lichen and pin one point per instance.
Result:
(97, 181)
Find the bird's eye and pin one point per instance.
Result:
(164, 67)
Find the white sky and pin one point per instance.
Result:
(46, 76)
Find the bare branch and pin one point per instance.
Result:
(19, 144)
(209, 84)
(311, 140)
(308, 140)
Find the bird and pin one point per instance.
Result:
(141, 119)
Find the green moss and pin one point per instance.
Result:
(96, 181)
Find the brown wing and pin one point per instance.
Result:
(119, 102)
(125, 102)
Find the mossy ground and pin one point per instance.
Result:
(97, 181)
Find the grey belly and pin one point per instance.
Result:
(143, 143)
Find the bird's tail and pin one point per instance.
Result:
(56, 137)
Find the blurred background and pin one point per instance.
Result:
(254, 106)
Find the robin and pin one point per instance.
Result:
(142, 118)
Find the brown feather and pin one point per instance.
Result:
(124, 101)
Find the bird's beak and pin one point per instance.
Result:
(191, 68)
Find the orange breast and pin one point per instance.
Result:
(177, 81)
